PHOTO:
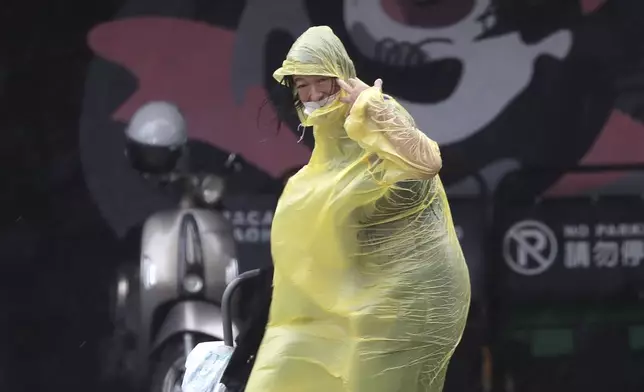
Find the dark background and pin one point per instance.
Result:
(56, 251)
(58, 254)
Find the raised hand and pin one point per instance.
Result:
(353, 87)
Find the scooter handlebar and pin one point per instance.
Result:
(226, 304)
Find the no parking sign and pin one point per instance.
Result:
(529, 247)
(572, 249)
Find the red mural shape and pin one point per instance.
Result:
(590, 6)
(620, 142)
(188, 63)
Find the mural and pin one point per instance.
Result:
(498, 86)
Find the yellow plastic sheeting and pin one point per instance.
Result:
(371, 290)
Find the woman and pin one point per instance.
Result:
(371, 291)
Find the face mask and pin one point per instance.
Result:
(309, 107)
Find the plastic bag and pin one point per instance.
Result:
(204, 367)
(371, 290)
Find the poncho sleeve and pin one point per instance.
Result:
(383, 127)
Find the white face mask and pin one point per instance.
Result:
(309, 107)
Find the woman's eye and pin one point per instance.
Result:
(322, 80)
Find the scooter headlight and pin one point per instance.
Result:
(122, 290)
(212, 188)
(192, 284)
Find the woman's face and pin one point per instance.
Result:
(314, 88)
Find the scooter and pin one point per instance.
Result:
(172, 301)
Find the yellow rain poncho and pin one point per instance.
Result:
(371, 290)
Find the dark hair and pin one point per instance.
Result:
(284, 100)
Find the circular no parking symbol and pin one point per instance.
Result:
(529, 247)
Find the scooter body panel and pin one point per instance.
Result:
(193, 317)
(160, 281)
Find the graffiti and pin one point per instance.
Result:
(196, 80)
(495, 69)
(493, 99)
(620, 142)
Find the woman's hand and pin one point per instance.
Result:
(353, 87)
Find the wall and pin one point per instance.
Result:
(499, 86)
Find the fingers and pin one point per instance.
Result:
(345, 100)
(378, 83)
(356, 83)
(343, 85)
(351, 84)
